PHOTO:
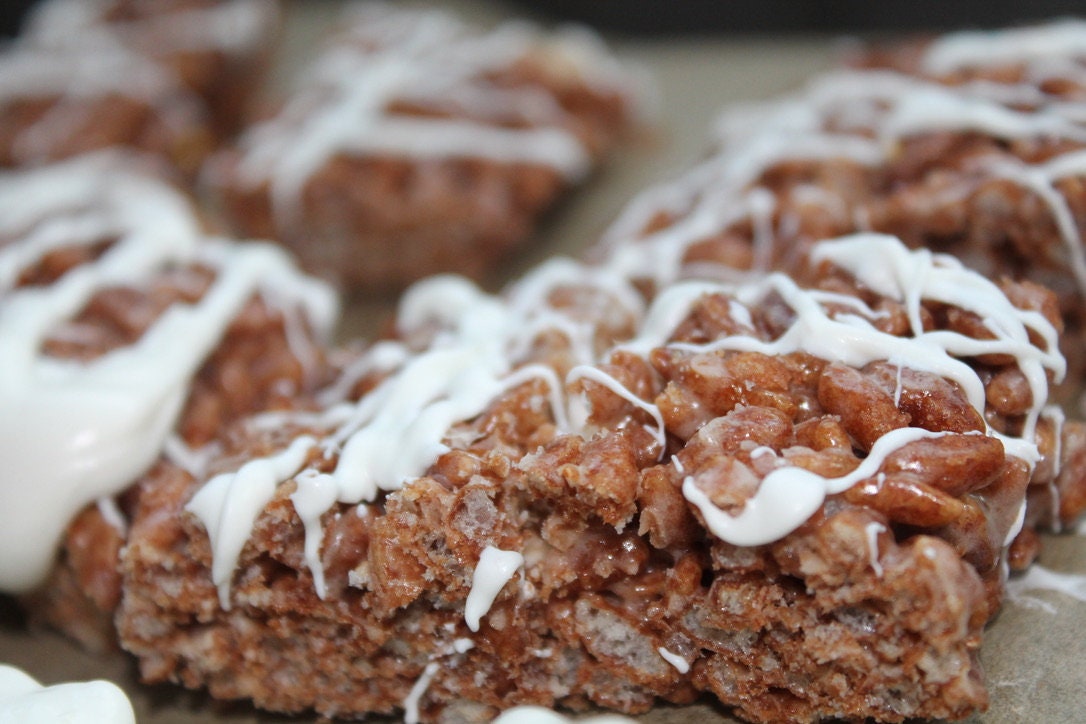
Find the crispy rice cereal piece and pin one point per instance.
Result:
(971, 144)
(125, 331)
(417, 144)
(795, 497)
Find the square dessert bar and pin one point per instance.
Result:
(793, 495)
(417, 144)
(126, 331)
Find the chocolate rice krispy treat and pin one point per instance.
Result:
(164, 77)
(795, 496)
(417, 144)
(126, 333)
(218, 49)
(971, 144)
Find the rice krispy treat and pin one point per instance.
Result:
(125, 331)
(166, 77)
(418, 144)
(218, 49)
(794, 496)
(970, 144)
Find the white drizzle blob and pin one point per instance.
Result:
(23, 699)
(494, 569)
(73, 432)
(681, 665)
(427, 57)
(526, 714)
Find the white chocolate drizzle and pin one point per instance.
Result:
(789, 495)
(77, 431)
(1011, 46)
(392, 435)
(494, 569)
(526, 714)
(23, 699)
(872, 531)
(681, 665)
(863, 118)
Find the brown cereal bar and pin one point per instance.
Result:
(217, 49)
(792, 496)
(417, 144)
(127, 330)
(165, 77)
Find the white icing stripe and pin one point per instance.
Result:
(872, 531)
(23, 699)
(228, 504)
(414, 697)
(1018, 45)
(74, 432)
(788, 496)
(600, 377)
(316, 493)
(494, 569)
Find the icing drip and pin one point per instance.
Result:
(414, 697)
(87, 430)
(228, 504)
(23, 699)
(872, 530)
(429, 59)
(674, 659)
(788, 496)
(494, 569)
